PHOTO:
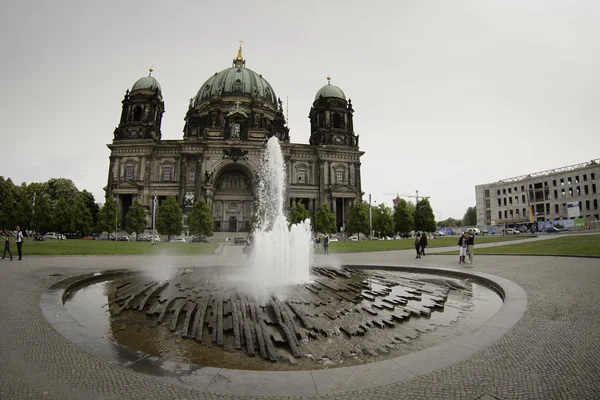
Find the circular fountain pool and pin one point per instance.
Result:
(342, 317)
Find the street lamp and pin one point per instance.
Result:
(116, 217)
(370, 218)
(153, 214)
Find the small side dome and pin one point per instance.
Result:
(147, 83)
(330, 90)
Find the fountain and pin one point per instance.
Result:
(284, 312)
(281, 254)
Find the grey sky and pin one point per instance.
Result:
(447, 94)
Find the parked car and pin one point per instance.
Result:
(156, 238)
(177, 240)
(440, 233)
(353, 239)
(511, 231)
(123, 238)
(143, 238)
(474, 231)
(552, 229)
(200, 239)
(240, 240)
(51, 236)
(333, 239)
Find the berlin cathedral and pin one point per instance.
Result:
(226, 127)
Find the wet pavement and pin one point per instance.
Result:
(549, 351)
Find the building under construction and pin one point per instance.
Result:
(566, 193)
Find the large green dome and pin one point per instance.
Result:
(330, 90)
(237, 80)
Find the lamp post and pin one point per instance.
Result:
(370, 218)
(153, 214)
(116, 217)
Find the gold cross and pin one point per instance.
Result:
(241, 41)
(237, 103)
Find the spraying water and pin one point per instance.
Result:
(281, 255)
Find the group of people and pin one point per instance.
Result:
(322, 240)
(6, 237)
(420, 244)
(466, 242)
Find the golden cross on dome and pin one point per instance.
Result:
(150, 71)
(329, 79)
(239, 56)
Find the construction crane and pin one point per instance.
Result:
(417, 197)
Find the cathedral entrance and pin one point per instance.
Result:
(233, 224)
(233, 201)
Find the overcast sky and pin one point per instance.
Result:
(447, 94)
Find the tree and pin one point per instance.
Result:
(383, 220)
(450, 222)
(91, 204)
(324, 221)
(42, 215)
(106, 216)
(298, 213)
(169, 217)
(135, 219)
(61, 216)
(470, 217)
(200, 221)
(61, 187)
(403, 218)
(424, 218)
(358, 220)
(8, 204)
(82, 220)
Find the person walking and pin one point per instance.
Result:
(418, 245)
(471, 246)
(462, 249)
(318, 244)
(423, 243)
(19, 242)
(326, 244)
(6, 238)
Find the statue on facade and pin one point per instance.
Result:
(189, 199)
(234, 131)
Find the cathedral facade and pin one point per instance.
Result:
(226, 127)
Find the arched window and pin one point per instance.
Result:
(337, 120)
(137, 113)
(129, 172)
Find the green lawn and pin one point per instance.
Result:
(587, 245)
(404, 244)
(106, 247)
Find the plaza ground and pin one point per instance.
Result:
(552, 352)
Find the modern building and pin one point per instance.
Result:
(226, 126)
(565, 193)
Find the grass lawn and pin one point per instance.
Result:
(585, 245)
(404, 244)
(106, 247)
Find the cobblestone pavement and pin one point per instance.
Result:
(552, 353)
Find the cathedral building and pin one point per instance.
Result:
(226, 127)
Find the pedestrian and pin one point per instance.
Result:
(6, 245)
(19, 242)
(423, 243)
(418, 245)
(318, 244)
(326, 244)
(471, 246)
(462, 249)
